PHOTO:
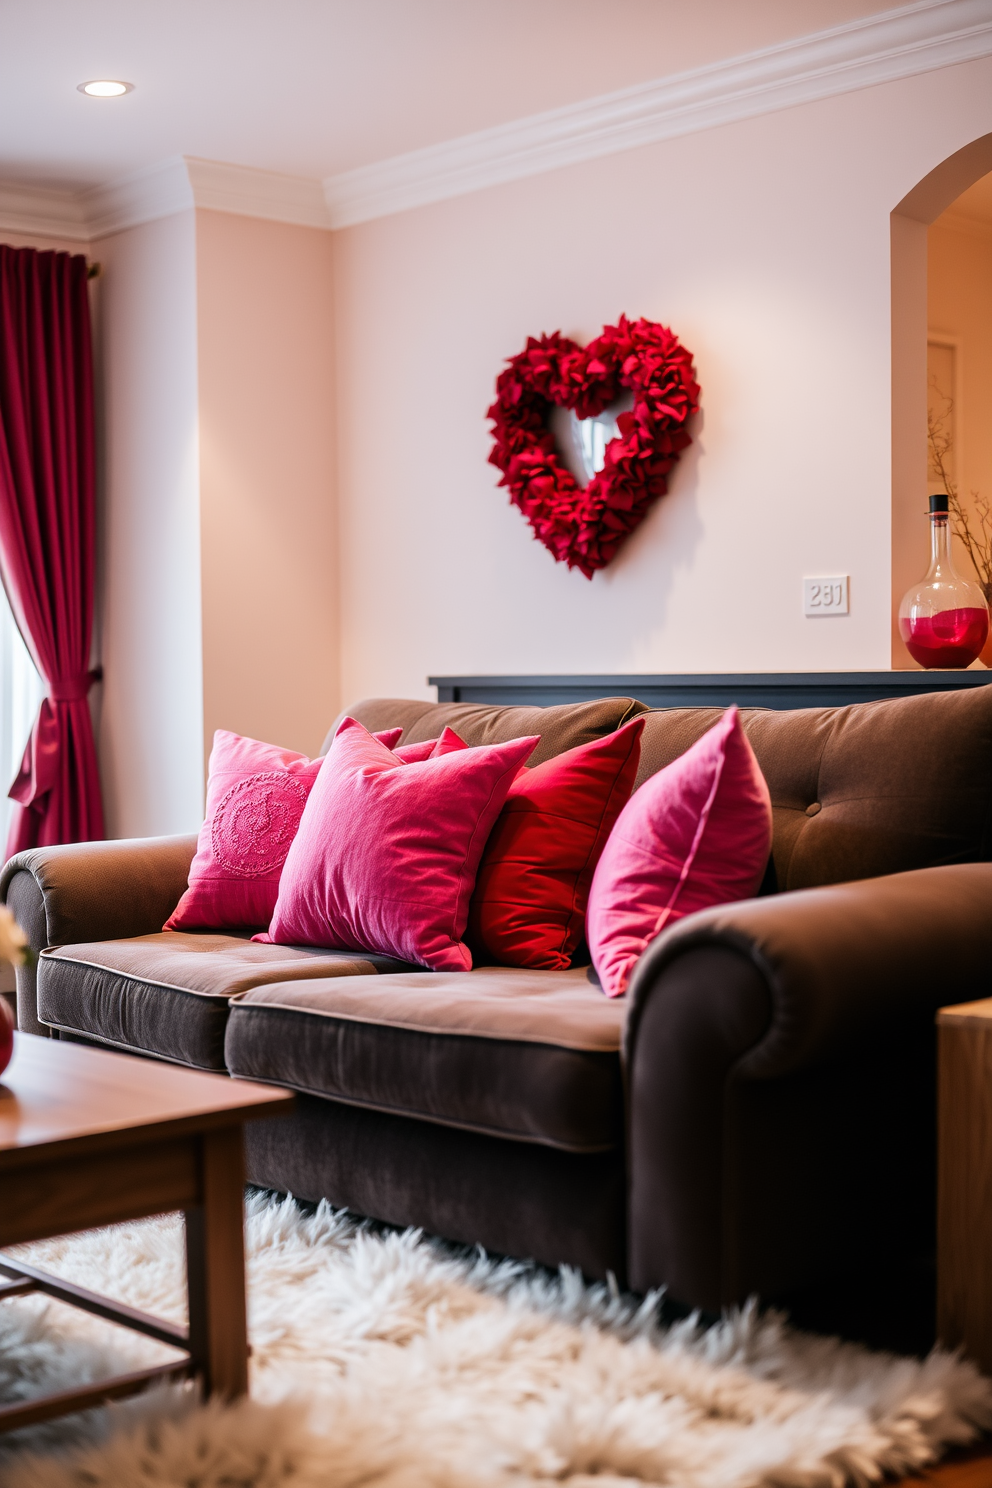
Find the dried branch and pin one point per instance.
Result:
(976, 542)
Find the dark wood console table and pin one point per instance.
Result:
(681, 690)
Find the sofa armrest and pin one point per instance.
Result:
(779, 1057)
(88, 891)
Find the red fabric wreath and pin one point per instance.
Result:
(585, 527)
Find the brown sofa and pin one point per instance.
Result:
(757, 1116)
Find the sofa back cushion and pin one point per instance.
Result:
(560, 727)
(864, 790)
(856, 792)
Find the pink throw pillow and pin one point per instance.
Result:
(255, 797)
(697, 833)
(412, 754)
(386, 853)
(390, 737)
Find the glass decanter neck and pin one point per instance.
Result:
(940, 545)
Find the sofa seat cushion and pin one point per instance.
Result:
(533, 1056)
(168, 994)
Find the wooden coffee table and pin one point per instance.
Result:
(90, 1138)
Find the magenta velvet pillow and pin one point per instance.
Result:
(390, 737)
(412, 754)
(255, 797)
(386, 853)
(697, 833)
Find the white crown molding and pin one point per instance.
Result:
(257, 193)
(38, 211)
(174, 185)
(158, 191)
(878, 49)
(183, 182)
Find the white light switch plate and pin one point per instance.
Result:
(826, 596)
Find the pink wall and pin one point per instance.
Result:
(766, 245)
(267, 520)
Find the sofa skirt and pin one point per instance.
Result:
(513, 1198)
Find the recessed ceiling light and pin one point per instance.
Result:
(105, 88)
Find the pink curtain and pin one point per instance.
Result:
(47, 537)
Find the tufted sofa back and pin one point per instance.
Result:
(859, 791)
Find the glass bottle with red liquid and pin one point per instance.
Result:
(943, 620)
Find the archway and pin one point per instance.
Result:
(909, 223)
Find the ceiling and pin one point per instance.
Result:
(316, 87)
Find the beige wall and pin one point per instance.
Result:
(267, 521)
(766, 245)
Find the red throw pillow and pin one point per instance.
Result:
(255, 797)
(386, 853)
(697, 833)
(529, 904)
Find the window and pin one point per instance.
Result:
(21, 691)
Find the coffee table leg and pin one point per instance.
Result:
(215, 1268)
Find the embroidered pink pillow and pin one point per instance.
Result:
(386, 853)
(697, 833)
(255, 797)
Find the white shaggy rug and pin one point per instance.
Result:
(385, 1360)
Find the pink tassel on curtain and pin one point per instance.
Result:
(47, 533)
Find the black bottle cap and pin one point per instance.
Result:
(938, 503)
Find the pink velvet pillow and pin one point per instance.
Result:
(391, 737)
(697, 833)
(412, 754)
(255, 797)
(386, 853)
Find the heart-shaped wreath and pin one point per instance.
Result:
(584, 527)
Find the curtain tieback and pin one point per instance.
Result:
(72, 689)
